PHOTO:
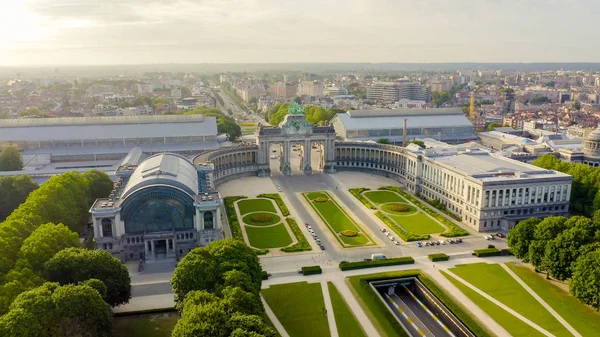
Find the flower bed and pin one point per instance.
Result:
(349, 233)
(398, 208)
(321, 199)
(261, 217)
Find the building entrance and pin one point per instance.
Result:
(160, 247)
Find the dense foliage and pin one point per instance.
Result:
(74, 265)
(314, 115)
(585, 196)
(13, 192)
(439, 97)
(225, 124)
(217, 291)
(564, 249)
(52, 310)
(10, 159)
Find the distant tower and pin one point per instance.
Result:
(472, 106)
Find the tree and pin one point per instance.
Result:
(225, 124)
(160, 101)
(31, 112)
(562, 251)
(99, 183)
(235, 299)
(520, 237)
(418, 142)
(44, 242)
(10, 159)
(205, 268)
(383, 141)
(585, 282)
(13, 192)
(51, 310)
(298, 100)
(576, 105)
(252, 100)
(545, 231)
(74, 265)
(492, 126)
(439, 97)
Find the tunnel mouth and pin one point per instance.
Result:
(417, 309)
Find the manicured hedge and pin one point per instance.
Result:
(234, 223)
(261, 251)
(402, 233)
(438, 204)
(275, 196)
(302, 244)
(487, 252)
(376, 263)
(357, 193)
(454, 230)
(438, 257)
(311, 270)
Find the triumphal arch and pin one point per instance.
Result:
(295, 131)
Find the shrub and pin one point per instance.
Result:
(454, 229)
(401, 232)
(349, 233)
(234, 223)
(487, 252)
(356, 192)
(311, 270)
(398, 208)
(264, 275)
(275, 196)
(438, 204)
(376, 263)
(321, 199)
(438, 257)
(261, 217)
(302, 244)
(261, 251)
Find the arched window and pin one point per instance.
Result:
(107, 227)
(208, 220)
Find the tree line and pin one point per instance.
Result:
(225, 124)
(49, 285)
(217, 292)
(314, 114)
(585, 196)
(564, 249)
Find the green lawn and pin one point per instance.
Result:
(584, 319)
(510, 323)
(411, 209)
(496, 282)
(147, 325)
(346, 323)
(299, 308)
(274, 219)
(254, 205)
(382, 197)
(268, 237)
(337, 219)
(418, 223)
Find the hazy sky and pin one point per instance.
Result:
(79, 32)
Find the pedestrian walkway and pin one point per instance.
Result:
(355, 307)
(329, 310)
(500, 304)
(542, 302)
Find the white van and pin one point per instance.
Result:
(376, 257)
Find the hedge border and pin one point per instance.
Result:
(438, 257)
(357, 193)
(376, 263)
(302, 244)
(400, 231)
(311, 270)
(234, 223)
(487, 252)
(453, 229)
(278, 200)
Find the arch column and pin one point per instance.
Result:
(287, 168)
(307, 157)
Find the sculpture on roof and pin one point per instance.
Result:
(295, 109)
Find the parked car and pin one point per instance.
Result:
(487, 237)
(500, 235)
(427, 243)
(419, 244)
(442, 242)
(279, 189)
(318, 240)
(396, 242)
(459, 240)
(367, 260)
(307, 225)
(382, 229)
(322, 247)
(344, 261)
(437, 243)
(392, 238)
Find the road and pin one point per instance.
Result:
(229, 103)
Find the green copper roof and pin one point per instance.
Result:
(295, 109)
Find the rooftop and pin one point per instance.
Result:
(394, 119)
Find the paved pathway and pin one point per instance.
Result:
(356, 308)
(329, 307)
(501, 305)
(542, 302)
(274, 318)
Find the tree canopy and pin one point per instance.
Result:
(314, 115)
(74, 265)
(13, 192)
(99, 183)
(52, 310)
(10, 159)
(31, 112)
(225, 124)
(585, 283)
(440, 97)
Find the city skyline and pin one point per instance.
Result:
(76, 32)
